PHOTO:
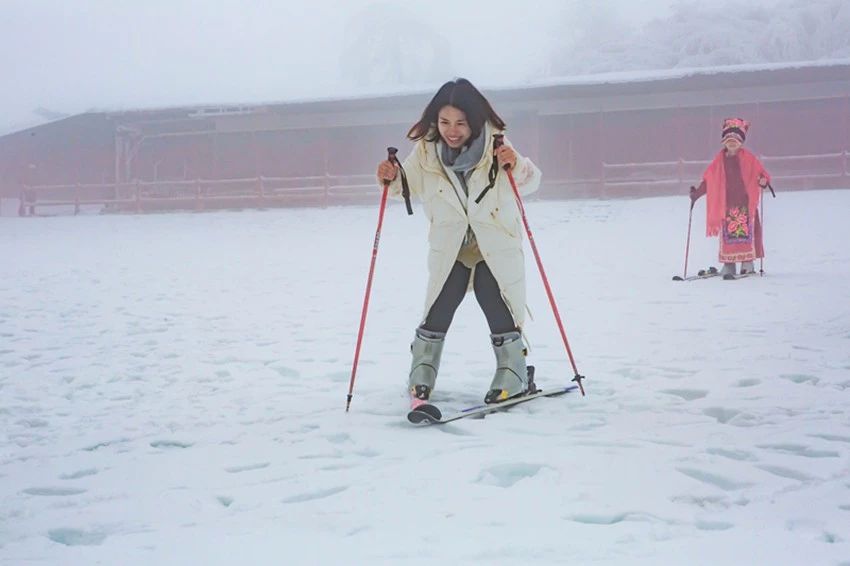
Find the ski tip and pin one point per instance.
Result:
(678, 278)
(424, 414)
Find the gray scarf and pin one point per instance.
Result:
(462, 160)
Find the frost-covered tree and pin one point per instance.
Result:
(698, 34)
(388, 46)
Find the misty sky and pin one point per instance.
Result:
(68, 56)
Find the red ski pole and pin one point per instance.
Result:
(391, 156)
(688, 242)
(761, 212)
(497, 142)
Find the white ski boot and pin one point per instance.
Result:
(511, 376)
(727, 269)
(426, 349)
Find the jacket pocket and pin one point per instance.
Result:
(506, 220)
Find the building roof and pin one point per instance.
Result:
(562, 95)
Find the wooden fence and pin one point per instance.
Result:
(617, 180)
(201, 194)
(660, 178)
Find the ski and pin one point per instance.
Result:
(428, 414)
(701, 274)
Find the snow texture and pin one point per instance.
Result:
(172, 391)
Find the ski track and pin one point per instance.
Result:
(175, 394)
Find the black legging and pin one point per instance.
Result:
(486, 292)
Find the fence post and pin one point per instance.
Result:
(138, 197)
(262, 190)
(603, 182)
(22, 211)
(327, 189)
(30, 200)
(198, 203)
(76, 199)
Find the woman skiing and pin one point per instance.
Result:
(733, 182)
(476, 236)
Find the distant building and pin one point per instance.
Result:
(623, 135)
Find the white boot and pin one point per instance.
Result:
(426, 350)
(511, 376)
(747, 267)
(727, 269)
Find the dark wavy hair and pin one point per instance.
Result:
(461, 94)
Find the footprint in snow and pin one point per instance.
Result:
(616, 518)
(831, 437)
(79, 474)
(686, 394)
(246, 468)
(713, 525)
(716, 480)
(54, 491)
(799, 450)
(76, 537)
(339, 438)
(731, 416)
(713, 502)
(800, 378)
(506, 475)
(321, 494)
(170, 444)
(783, 472)
(284, 371)
(739, 455)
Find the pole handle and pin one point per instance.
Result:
(773, 194)
(405, 188)
(499, 141)
(391, 157)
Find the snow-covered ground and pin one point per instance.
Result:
(172, 391)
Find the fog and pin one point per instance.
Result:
(62, 58)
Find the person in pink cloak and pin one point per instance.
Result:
(733, 183)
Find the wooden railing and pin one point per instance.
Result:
(202, 194)
(790, 172)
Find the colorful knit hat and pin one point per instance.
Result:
(735, 128)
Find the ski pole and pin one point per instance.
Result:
(688, 239)
(391, 156)
(761, 215)
(498, 141)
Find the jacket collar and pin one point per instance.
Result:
(429, 156)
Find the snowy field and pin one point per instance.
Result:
(172, 391)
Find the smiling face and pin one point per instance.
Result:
(453, 127)
(732, 144)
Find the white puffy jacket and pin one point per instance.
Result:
(496, 221)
